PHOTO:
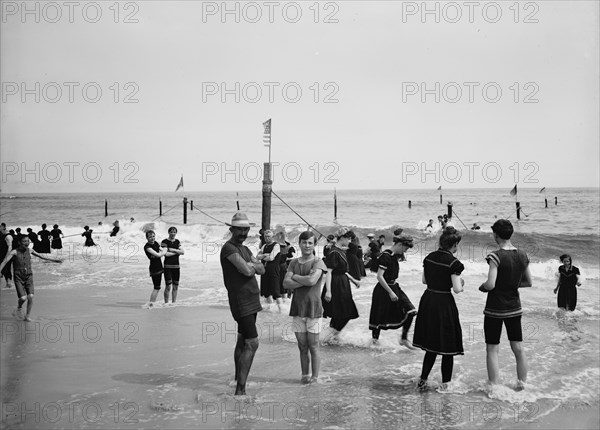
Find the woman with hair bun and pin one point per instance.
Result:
(437, 329)
(390, 306)
(338, 303)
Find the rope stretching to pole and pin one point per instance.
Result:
(211, 217)
(299, 216)
(454, 211)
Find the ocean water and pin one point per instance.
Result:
(362, 385)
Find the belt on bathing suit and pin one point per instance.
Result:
(390, 281)
(438, 291)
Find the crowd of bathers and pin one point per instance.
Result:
(322, 288)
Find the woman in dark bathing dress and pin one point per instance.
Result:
(44, 240)
(336, 297)
(568, 281)
(390, 306)
(437, 329)
(56, 237)
(88, 236)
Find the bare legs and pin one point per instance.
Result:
(168, 291)
(243, 357)
(153, 296)
(309, 343)
(492, 362)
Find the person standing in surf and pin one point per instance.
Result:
(337, 300)
(568, 281)
(44, 240)
(239, 276)
(330, 243)
(270, 282)
(154, 253)
(6, 240)
(115, 229)
(390, 307)
(508, 271)
(56, 237)
(437, 329)
(21, 257)
(303, 276)
(171, 263)
(88, 236)
(355, 265)
(33, 238)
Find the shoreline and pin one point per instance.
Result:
(109, 363)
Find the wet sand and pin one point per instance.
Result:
(93, 358)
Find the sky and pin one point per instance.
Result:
(131, 96)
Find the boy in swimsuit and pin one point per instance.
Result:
(23, 275)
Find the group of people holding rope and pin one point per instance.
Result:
(322, 289)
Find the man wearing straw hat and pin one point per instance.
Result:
(239, 270)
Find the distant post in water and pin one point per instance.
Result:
(555, 200)
(518, 204)
(105, 208)
(266, 197)
(449, 210)
(546, 202)
(409, 204)
(334, 205)
(159, 207)
(185, 210)
(237, 201)
(191, 205)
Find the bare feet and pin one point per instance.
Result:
(406, 343)
(305, 379)
(27, 318)
(422, 384)
(17, 314)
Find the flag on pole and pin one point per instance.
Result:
(267, 133)
(180, 184)
(513, 192)
(439, 188)
(542, 190)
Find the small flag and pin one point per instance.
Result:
(180, 184)
(440, 188)
(267, 133)
(542, 190)
(513, 192)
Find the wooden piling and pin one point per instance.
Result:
(185, 201)
(266, 197)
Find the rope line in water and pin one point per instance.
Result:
(454, 212)
(172, 207)
(299, 216)
(211, 217)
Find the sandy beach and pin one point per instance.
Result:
(98, 360)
